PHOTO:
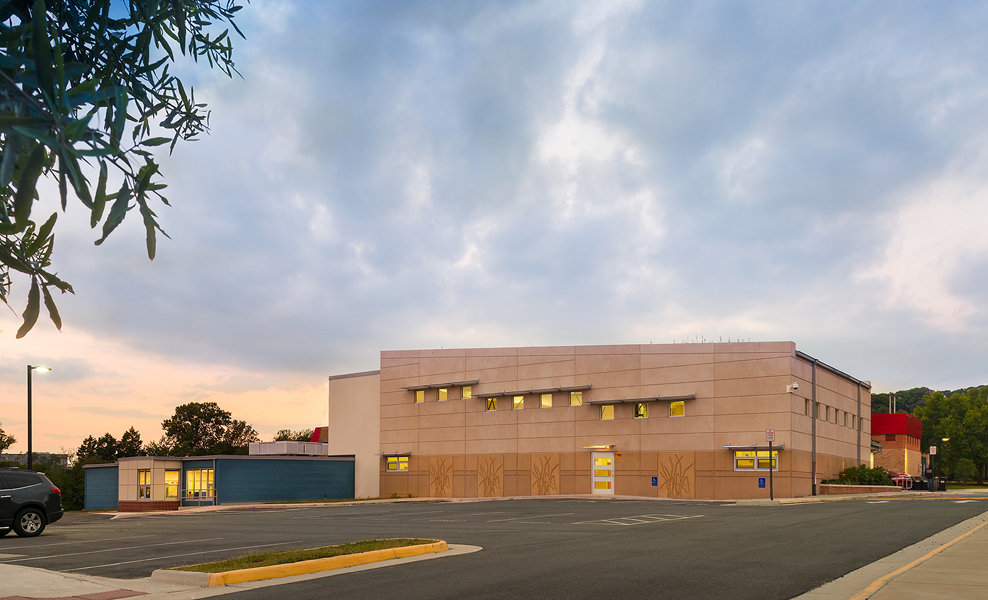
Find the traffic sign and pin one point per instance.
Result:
(933, 450)
(655, 481)
(769, 435)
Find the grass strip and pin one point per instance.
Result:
(266, 559)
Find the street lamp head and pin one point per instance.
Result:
(946, 439)
(39, 368)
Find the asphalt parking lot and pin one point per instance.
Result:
(549, 548)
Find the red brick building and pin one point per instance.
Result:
(899, 435)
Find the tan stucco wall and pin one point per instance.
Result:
(127, 479)
(354, 427)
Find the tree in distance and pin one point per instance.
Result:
(107, 449)
(6, 441)
(77, 78)
(287, 435)
(200, 428)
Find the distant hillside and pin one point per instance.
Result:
(908, 401)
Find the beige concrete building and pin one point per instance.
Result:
(666, 420)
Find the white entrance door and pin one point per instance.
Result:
(602, 474)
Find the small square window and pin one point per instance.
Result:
(677, 409)
(518, 402)
(443, 394)
(419, 396)
(641, 410)
(546, 400)
(467, 392)
(607, 412)
(397, 463)
(575, 398)
(492, 404)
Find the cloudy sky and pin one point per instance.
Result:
(394, 175)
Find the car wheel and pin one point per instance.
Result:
(29, 523)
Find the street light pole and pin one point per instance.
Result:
(30, 368)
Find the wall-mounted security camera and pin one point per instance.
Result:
(795, 385)
(792, 387)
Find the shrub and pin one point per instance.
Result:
(862, 475)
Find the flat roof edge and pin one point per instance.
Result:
(835, 371)
(351, 375)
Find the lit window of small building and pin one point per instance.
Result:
(575, 398)
(397, 463)
(419, 396)
(144, 484)
(467, 392)
(518, 402)
(677, 409)
(492, 404)
(641, 410)
(443, 394)
(546, 400)
(607, 412)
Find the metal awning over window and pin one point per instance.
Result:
(433, 386)
(642, 400)
(395, 454)
(602, 447)
(572, 388)
(780, 446)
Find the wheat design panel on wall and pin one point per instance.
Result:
(545, 474)
(441, 476)
(677, 475)
(490, 476)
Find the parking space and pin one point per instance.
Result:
(694, 544)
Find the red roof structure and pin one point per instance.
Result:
(898, 423)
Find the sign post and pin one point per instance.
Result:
(770, 437)
(932, 483)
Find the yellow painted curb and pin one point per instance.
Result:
(322, 564)
(879, 583)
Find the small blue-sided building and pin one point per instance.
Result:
(151, 483)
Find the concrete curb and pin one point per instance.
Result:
(299, 568)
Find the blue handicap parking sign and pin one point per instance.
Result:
(761, 482)
(655, 481)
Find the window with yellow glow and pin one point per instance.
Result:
(419, 396)
(755, 460)
(397, 463)
(602, 485)
(492, 404)
(607, 412)
(443, 394)
(677, 409)
(144, 484)
(199, 483)
(575, 398)
(601, 461)
(641, 410)
(518, 402)
(467, 392)
(171, 484)
(546, 400)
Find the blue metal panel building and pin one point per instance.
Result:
(253, 479)
(101, 487)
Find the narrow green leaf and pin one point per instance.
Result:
(156, 141)
(52, 310)
(100, 201)
(42, 48)
(10, 151)
(30, 314)
(24, 198)
(117, 212)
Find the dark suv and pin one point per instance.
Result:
(28, 502)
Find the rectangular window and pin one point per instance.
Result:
(845, 419)
(492, 404)
(443, 394)
(199, 483)
(144, 484)
(806, 408)
(518, 402)
(575, 398)
(171, 484)
(677, 409)
(889, 437)
(467, 392)
(397, 463)
(816, 410)
(854, 421)
(419, 396)
(745, 460)
(607, 412)
(546, 400)
(827, 413)
(641, 410)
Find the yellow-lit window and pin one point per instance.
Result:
(575, 398)
(747, 459)
(546, 400)
(602, 485)
(492, 404)
(641, 410)
(419, 396)
(443, 394)
(518, 402)
(171, 484)
(199, 483)
(144, 484)
(607, 412)
(467, 392)
(677, 409)
(397, 463)
(601, 462)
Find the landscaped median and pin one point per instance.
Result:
(257, 567)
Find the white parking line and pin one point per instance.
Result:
(129, 537)
(638, 520)
(879, 502)
(112, 550)
(963, 501)
(127, 562)
(530, 517)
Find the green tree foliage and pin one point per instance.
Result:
(287, 435)
(6, 441)
(85, 91)
(905, 400)
(108, 449)
(961, 416)
(200, 428)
